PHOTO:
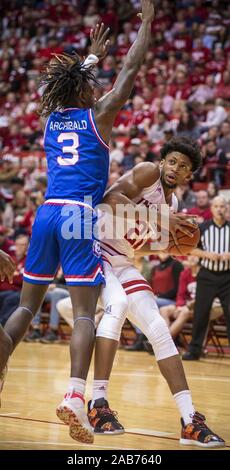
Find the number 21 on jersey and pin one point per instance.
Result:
(72, 149)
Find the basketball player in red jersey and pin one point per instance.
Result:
(127, 294)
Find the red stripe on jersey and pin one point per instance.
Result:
(138, 289)
(135, 282)
(137, 245)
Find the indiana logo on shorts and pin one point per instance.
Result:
(97, 248)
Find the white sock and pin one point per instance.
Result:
(76, 390)
(184, 404)
(100, 390)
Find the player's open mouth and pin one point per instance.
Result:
(171, 178)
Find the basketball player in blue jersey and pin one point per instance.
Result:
(76, 136)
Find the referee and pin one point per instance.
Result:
(213, 279)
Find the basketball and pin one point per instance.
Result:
(186, 243)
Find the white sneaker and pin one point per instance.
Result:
(76, 417)
(2, 380)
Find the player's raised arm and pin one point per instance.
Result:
(108, 106)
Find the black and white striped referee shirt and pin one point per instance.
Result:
(216, 240)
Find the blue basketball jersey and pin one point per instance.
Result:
(77, 156)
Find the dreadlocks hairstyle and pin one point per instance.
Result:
(64, 80)
(186, 146)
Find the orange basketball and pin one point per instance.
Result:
(186, 244)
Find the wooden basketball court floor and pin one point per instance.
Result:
(37, 380)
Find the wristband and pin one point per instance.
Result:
(90, 61)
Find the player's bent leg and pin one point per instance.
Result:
(72, 409)
(84, 301)
(143, 313)
(83, 270)
(108, 333)
(101, 417)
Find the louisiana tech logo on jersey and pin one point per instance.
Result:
(97, 249)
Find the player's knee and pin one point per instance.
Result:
(160, 339)
(109, 328)
(28, 308)
(118, 304)
(112, 321)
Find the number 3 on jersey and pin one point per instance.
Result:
(69, 148)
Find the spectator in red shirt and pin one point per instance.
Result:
(164, 280)
(52, 47)
(10, 293)
(200, 53)
(177, 315)
(181, 88)
(202, 209)
(14, 139)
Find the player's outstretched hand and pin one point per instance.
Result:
(99, 41)
(7, 267)
(148, 10)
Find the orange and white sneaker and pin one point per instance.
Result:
(197, 433)
(76, 418)
(2, 380)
